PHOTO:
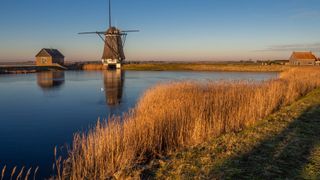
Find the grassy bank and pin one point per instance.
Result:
(284, 145)
(193, 67)
(174, 116)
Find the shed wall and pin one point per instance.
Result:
(40, 61)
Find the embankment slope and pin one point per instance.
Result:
(286, 144)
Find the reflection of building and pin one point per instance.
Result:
(113, 86)
(50, 79)
(49, 57)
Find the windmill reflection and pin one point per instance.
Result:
(50, 79)
(113, 86)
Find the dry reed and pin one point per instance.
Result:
(20, 175)
(180, 114)
(92, 67)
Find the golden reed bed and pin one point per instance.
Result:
(176, 115)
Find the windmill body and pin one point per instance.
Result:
(113, 54)
(114, 41)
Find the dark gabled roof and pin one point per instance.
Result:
(51, 52)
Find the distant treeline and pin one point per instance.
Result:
(209, 62)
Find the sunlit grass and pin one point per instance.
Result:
(180, 114)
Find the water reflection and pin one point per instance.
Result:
(50, 79)
(113, 86)
(29, 131)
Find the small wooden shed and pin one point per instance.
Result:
(303, 58)
(49, 57)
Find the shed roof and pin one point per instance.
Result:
(303, 55)
(51, 52)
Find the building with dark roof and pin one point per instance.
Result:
(302, 58)
(49, 57)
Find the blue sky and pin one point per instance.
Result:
(170, 29)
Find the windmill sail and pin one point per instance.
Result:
(110, 24)
(127, 31)
(96, 32)
(114, 40)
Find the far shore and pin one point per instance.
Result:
(271, 66)
(189, 66)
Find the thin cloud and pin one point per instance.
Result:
(294, 47)
(306, 15)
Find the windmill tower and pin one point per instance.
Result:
(114, 40)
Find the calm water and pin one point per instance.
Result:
(40, 111)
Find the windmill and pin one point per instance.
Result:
(114, 40)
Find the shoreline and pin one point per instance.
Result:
(27, 69)
(191, 66)
(150, 67)
(207, 67)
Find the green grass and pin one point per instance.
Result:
(284, 145)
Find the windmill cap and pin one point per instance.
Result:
(113, 30)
